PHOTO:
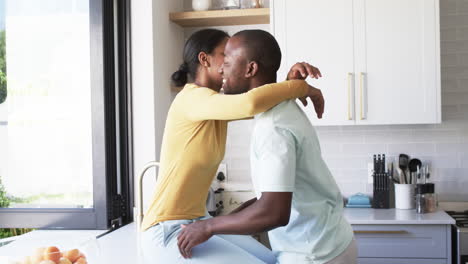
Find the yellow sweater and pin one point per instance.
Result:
(194, 143)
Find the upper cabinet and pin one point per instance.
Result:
(380, 59)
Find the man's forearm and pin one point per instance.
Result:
(253, 219)
(270, 211)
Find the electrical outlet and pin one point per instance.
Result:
(222, 168)
(370, 172)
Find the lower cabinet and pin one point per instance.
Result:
(403, 244)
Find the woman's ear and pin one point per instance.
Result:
(203, 59)
(252, 69)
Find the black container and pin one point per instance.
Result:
(382, 186)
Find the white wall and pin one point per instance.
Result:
(347, 150)
(156, 53)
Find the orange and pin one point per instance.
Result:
(47, 261)
(38, 255)
(81, 260)
(72, 255)
(27, 260)
(52, 253)
(64, 261)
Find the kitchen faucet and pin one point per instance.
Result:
(140, 191)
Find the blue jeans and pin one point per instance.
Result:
(159, 246)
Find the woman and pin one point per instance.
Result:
(193, 146)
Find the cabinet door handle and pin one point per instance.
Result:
(350, 96)
(380, 232)
(361, 94)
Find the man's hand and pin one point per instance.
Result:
(317, 99)
(192, 235)
(301, 70)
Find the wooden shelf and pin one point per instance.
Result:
(221, 17)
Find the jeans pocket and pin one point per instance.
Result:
(171, 229)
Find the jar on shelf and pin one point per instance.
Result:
(231, 4)
(201, 5)
(252, 4)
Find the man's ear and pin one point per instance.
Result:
(203, 59)
(252, 69)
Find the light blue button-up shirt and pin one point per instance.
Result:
(286, 157)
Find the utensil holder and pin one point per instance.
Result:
(404, 196)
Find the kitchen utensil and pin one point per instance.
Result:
(428, 174)
(391, 173)
(403, 161)
(375, 163)
(423, 174)
(378, 163)
(400, 176)
(418, 175)
(413, 166)
(382, 164)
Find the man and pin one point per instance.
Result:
(297, 197)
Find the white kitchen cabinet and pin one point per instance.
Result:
(418, 243)
(380, 59)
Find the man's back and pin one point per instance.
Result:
(286, 157)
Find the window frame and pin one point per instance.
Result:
(111, 131)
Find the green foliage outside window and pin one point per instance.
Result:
(5, 201)
(3, 79)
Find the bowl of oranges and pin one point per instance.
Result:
(53, 255)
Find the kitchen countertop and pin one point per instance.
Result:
(369, 216)
(122, 245)
(119, 246)
(25, 245)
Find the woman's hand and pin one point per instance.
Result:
(317, 99)
(301, 70)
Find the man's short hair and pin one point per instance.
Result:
(262, 47)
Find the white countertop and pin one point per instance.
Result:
(25, 245)
(119, 246)
(122, 245)
(369, 216)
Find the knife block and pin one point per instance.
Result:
(381, 199)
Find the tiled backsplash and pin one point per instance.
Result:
(347, 150)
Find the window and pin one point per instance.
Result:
(65, 148)
(3, 90)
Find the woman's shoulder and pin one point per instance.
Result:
(193, 89)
